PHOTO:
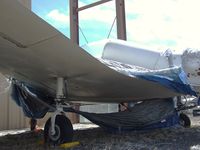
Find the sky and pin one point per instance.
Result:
(159, 24)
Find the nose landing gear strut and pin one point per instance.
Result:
(58, 128)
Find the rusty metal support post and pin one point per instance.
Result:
(121, 28)
(121, 19)
(74, 35)
(74, 21)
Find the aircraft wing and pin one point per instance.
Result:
(34, 52)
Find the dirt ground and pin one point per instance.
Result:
(93, 138)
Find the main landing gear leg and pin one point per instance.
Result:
(184, 120)
(58, 129)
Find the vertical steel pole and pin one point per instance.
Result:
(74, 35)
(121, 28)
(74, 29)
(121, 19)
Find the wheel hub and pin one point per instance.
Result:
(56, 135)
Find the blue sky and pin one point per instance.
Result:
(57, 14)
(156, 23)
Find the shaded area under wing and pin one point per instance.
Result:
(143, 115)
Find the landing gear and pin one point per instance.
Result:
(58, 129)
(63, 131)
(184, 120)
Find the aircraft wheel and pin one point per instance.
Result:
(63, 131)
(184, 120)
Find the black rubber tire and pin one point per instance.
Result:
(64, 131)
(184, 120)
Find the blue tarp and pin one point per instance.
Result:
(27, 97)
(151, 114)
(172, 78)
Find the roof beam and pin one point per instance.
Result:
(93, 4)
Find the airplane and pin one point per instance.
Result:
(50, 73)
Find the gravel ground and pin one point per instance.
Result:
(93, 138)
